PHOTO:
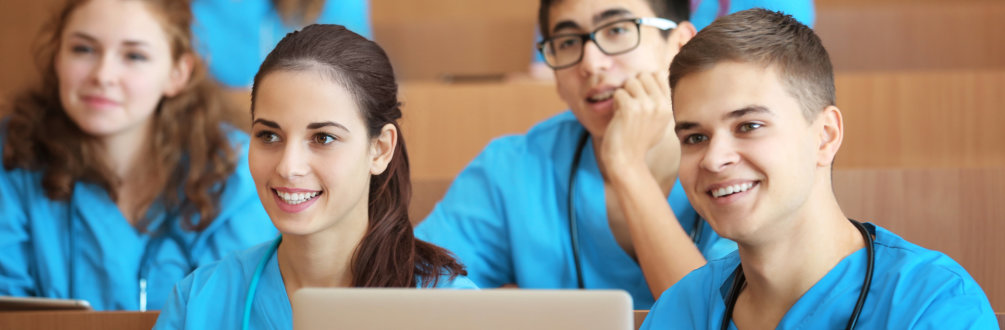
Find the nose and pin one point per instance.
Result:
(594, 61)
(293, 163)
(106, 71)
(719, 155)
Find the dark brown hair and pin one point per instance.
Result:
(192, 155)
(767, 38)
(674, 10)
(389, 255)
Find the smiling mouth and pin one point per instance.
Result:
(296, 198)
(600, 97)
(732, 189)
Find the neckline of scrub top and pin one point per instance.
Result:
(271, 301)
(843, 282)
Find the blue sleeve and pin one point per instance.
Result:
(683, 305)
(16, 264)
(459, 282)
(707, 10)
(964, 307)
(353, 14)
(470, 221)
(242, 222)
(174, 313)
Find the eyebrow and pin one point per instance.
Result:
(607, 14)
(326, 124)
(747, 110)
(92, 39)
(275, 125)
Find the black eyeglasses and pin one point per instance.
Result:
(618, 37)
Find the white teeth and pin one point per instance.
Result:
(724, 191)
(296, 198)
(602, 96)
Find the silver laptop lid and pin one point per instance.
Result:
(330, 308)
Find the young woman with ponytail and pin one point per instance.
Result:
(331, 169)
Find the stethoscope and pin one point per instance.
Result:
(739, 281)
(571, 206)
(253, 287)
(157, 239)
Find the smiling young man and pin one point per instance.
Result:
(612, 160)
(753, 98)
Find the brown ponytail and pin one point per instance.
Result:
(389, 255)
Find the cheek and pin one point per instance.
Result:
(261, 164)
(145, 88)
(567, 84)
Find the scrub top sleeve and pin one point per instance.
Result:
(242, 221)
(967, 308)
(470, 222)
(173, 314)
(16, 264)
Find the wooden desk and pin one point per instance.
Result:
(77, 320)
(640, 315)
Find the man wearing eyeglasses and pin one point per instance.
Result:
(587, 199)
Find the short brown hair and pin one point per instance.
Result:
(768, 38)
(674, 10)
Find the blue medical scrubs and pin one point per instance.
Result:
(234, 36)
(85, 248)
(505, 217)
(912, 288)
(213, 297)
(708, 10)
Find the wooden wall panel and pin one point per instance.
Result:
(922, 119)
(432, 39)
(913, 35)
(20, 22)
(447, 125)
(956, 211)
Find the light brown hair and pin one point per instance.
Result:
(768, 38)
(192, 155)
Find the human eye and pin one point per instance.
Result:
(748, 126)
(324, 138)
(566, 43)
(267, 137)
(694, 139)
(619, 29)
(81, 49)
(136, 57)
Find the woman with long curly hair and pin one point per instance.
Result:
(331, 169)
(119, 177)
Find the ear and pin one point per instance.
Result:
(180, 73)
(678, 37)
(831, 135)
(382, 149)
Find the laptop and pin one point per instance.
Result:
(442, 309)
(9, 303)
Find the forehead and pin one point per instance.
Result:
(117, 19)
(707, 96)
(585, 13)
(296, 98)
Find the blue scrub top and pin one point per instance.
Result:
(85, 248)
(911, 288)
(234, 36)
(708, 10)
(505, 217)
(213, 296)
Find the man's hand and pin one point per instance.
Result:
(642, 121)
